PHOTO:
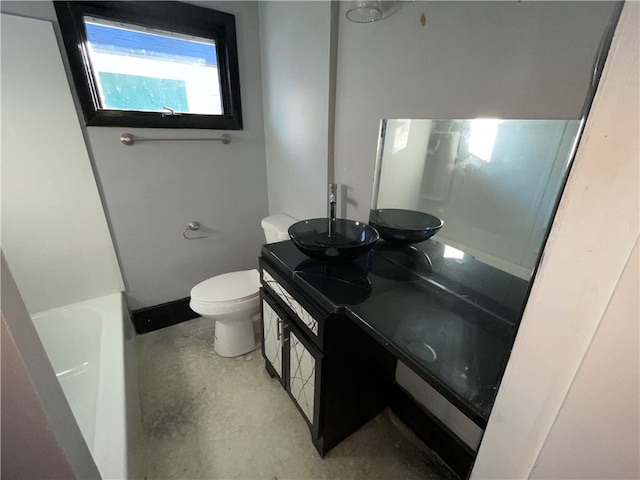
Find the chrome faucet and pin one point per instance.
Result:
(332, 208)
(332, 200)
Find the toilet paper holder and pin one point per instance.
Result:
(193, 226)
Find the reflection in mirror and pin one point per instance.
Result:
(493, 183)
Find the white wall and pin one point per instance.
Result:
(296, 44)
(153, 190)
(596, 434)
(55, 234)
(580, 295)
(471, 59)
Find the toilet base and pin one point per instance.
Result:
(235, 338)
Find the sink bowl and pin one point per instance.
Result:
(404, 226)
(336, 240)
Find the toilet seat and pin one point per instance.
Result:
(234, 294)
(227, 288)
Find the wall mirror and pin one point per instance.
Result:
(493, 183)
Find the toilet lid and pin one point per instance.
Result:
(228, 287)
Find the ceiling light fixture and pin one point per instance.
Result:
(364, 12)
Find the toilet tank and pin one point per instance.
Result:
(276, 227)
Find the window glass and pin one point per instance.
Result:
(152, 70)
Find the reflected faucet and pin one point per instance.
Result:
(332, 207)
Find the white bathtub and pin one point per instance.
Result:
(90, 346)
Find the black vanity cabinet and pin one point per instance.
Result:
(334, 333)
(322, 360)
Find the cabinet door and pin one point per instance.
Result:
(272, 328)
(302, 376)
(303, 382)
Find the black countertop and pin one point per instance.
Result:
(452, 320)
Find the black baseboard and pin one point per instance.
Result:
(454, 453)
(160, 316)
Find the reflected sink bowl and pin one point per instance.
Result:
(404, 227)
(337, 240)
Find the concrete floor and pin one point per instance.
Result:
(218, 418)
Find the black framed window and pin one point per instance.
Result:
(153, 64)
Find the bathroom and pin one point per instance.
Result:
(307, 127)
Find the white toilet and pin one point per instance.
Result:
(233, 299)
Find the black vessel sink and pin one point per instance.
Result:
(334, 240)
(404, 226)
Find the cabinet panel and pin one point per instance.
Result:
(302, 376)
(272, 337)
